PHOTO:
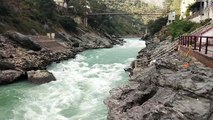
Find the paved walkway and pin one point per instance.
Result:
(49, 44)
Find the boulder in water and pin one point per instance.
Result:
(9, 76)
(40, 76)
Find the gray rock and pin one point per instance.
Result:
(90, 40)
(164, 91)
(6, 65)
(40, 76)
(23, 41)
(10, 76)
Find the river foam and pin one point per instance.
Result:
(82, 85)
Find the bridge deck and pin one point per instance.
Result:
(151, 14)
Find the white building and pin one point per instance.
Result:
(184, 6)
(200, 9)
(61, 3)
(171, 17)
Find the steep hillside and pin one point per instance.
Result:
(29, 16)
(160, 2)
(42, 16)
(135, 6)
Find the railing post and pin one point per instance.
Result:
(195, 42)
(181, 40)
(188, 41)
(207, 44)
(200, 45)
(184, 40)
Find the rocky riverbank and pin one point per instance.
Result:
(164, 90)
(20, 53)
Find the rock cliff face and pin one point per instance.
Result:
(164, 90)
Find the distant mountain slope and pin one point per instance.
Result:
(155, 2)
(137, 6)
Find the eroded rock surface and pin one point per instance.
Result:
(40, 76)
(164, 90)
(24, 53)
(10, 76)
(23, 40)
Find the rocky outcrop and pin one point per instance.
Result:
(93, 41)
(6, 65)
(90, 40)
(23, 41)
(10, 76)
(164, 90)
(40, 76)
(23, 52)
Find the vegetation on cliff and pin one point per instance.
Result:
(31, 16)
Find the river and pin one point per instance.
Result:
(81, 87)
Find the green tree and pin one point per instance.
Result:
(4, 10)
(47, 9)
(79, 6)
(156, 26)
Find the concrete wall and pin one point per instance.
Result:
(209, 33)
(196, 19)
(208, 61)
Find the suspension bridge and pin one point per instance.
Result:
(90, 14)
(107, 13)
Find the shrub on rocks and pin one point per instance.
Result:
(68, 24)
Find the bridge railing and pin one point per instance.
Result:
(200, 43)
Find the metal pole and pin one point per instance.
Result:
(200, 44)
(188, 40)
(207, 44)
(195, 42)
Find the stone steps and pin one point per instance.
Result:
(202, 29)
(162, 52)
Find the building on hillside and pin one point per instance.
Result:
(171, 17)
(184, 6)
(197, 10)
(201, 10)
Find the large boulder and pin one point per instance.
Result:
(40, 76)
(6, 65)
(23, 41)
(9, 76)
(92, 40)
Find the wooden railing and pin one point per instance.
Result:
(197, 43)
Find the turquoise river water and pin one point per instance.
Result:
(81, 87)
